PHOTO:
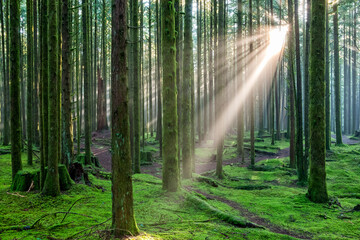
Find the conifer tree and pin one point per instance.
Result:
(170, 128)
(87, 80)
(51, 184)
(67, 150)
(317, 191)
(123, 219)
(337, 76)
(30, 78)
(16, 163)
(186, 91)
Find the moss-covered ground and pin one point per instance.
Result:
(161, 215)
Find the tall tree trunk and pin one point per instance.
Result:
(30, 78)
(306, 79)
(35, 124)
(23, 89)
(44, 79)
(7, 102)
(211, 72)
(142, 81)
(327, 79)
(291, 84)
(150, 81)
(252, 114)
(135, 44)
(78, 81)
(16, 163)
(178, 29)
(219, 91)
(354, 75)
(186, 91)
(87, 81)
(346, 80)
(51, 184)
(170, 145)
(67, 135)
(301, 162)
(199, 72)
(123, 220)
(317, 191)
(239, 50)
(158, 83)
(104, 63)
(337, 76)
(260, 87)
(206, 102)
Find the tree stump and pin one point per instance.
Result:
(23, 180)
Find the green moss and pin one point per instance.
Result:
(81, 159)
(161, 215)
(24, 179)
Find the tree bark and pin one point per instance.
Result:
(317, 191)
(219, 91)
(87, 81)
(291, 85)
(123, 219)
(337, 76)
(51, 184)
(186, 91)
(66, 118)
(170, 145)
(16, 163)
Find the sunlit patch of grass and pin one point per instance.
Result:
(285, 204)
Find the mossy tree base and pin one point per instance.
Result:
(23, 180)
(146, 158)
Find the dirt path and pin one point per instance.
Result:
(346, 140)
(101, 148)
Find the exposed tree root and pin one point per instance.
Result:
(233, 220)
(214, 183)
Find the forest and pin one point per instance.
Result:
(179, 119)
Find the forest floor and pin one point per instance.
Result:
(267, 196)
